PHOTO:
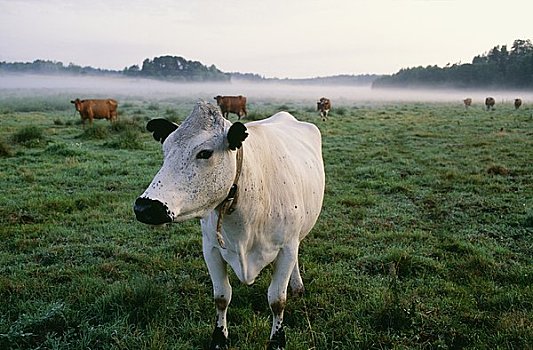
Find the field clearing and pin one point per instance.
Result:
(424, 241)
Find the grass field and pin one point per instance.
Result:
(424, 241)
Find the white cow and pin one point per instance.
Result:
(257, 199)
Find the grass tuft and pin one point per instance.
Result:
(498, 170)
(62, 149)
(5, 149)
(30, 136)
(124, 124)
(95, 132)
(127, 139)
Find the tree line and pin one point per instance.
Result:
(50, 67)
(176, 68)
(499, 67)
(164, 67)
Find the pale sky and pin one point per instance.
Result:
(279, 38)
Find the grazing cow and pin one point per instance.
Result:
(258, 190)
(96, 109)
(232, 104)
(517, 103)
(467, 102)
(490, 102)
(323, 106)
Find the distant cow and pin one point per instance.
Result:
(232, 104)
(467, 102)
(517, 103)
(323, 106)
(489, 103)
(258, 191)
(96, 109)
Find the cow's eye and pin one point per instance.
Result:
(204, 154)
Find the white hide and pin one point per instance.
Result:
(281, 186)
(280, 193)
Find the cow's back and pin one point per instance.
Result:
(289, 156)
(283, 128)
(104, 109)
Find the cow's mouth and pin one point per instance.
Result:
(151, 211)
(154, 212)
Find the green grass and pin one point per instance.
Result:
(424, 241)
(31, 136)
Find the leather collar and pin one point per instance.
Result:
(228, 204)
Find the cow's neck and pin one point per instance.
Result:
(228, 205)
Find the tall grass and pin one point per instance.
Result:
(30, 136)
(5, 149)
(424, 241)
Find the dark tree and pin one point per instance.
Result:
(497, 68)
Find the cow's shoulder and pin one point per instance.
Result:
(280, 117)
(285, 127)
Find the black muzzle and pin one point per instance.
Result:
(150, 211)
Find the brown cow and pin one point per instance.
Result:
(517, 103)
(489, 102)
(232, 104)
(96, 109)
(467, 102)
(323, 106)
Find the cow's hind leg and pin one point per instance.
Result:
(222, 295)
(277, 294)
(113, 117)
(296, 283)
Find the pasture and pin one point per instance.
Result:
(424, 241)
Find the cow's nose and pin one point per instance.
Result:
(150, 211)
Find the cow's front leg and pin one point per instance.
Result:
(277, 294)
(222, 295)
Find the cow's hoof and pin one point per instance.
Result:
(218, 340)
(273, 346)
(218, 347)
(278, 340)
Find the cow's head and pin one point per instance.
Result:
(198, 169)
(77, 104)
(218, 98)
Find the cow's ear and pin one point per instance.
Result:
(236, 135)
(161, 128)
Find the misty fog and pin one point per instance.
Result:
(121, 87)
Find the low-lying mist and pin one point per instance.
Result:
(121, 87)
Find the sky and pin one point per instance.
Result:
(272, 38)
